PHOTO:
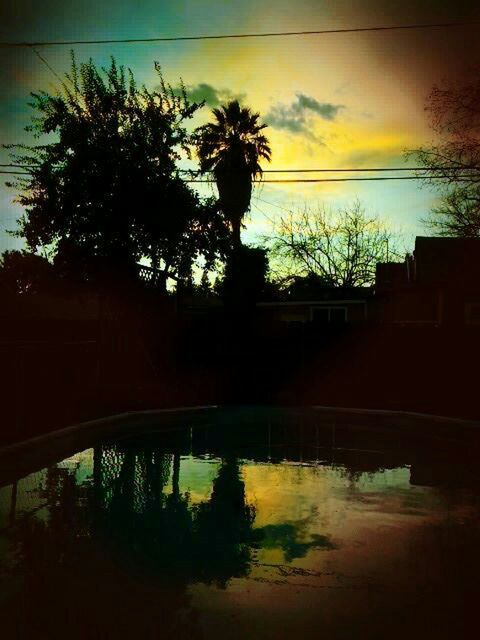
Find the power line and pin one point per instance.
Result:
(309, 180)
(322, 170)
(367, 170)
(265, 215)
(376, 178)
(273, 34)
(46, 63)
(273, 204)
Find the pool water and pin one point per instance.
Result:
(194, 535)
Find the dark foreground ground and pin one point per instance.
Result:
(71, 374)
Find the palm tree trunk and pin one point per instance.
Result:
(237, 241)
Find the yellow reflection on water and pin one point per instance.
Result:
(338, 550)
(244, 548)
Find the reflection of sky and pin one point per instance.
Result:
(326, 501)
(331, 546)
(196, 477)
(337, 548)
(380, 81)
(81, 464)
(27, 498)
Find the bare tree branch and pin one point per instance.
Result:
(342, 249)
(454, 116)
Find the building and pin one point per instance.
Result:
(330, 307)
(439, 285)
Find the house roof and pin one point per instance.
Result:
(447, 259)
(322, 294)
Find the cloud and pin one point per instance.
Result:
(212, 96)
(298, 117)
(325, 110)
(203, 91)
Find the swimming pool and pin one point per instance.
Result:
(255, 526)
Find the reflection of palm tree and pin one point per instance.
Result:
(228, 502)
(224, 527)
(231, 147)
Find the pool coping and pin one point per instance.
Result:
(34, 453)
(427, 418)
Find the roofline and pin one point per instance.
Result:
(291, 303)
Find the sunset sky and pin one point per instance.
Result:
(331, 101)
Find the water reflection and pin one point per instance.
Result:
(180, 535)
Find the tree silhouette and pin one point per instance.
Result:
(244, 281)
(209, 542)
(231, 147)
(104, 189)
(339, 249)
(454, 110)
(23, 272)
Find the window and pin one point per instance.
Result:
(472, 313)
(329, 315)
(338, 315)
(321, 315)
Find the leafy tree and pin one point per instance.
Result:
(454, 112)
(245, 278)
(105, 190)
(341, 250)
(23, 272)
(306, 287)
(231, 147)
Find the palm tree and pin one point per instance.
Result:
(231, 147)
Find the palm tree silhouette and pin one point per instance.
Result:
(231, 147)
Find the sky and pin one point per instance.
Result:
(331, 101)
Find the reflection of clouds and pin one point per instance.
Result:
(293, 538)
(392, 500)
(297, 506)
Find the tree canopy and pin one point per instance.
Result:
(104, 190)
(23, 272)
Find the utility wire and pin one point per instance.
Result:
(265, 215)
(273, 204)
(347, 170)
(303, 180)
(297, 180)
(46, 63)
(353, 170)
(367, 170)
(274, 34)
(344, 170)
